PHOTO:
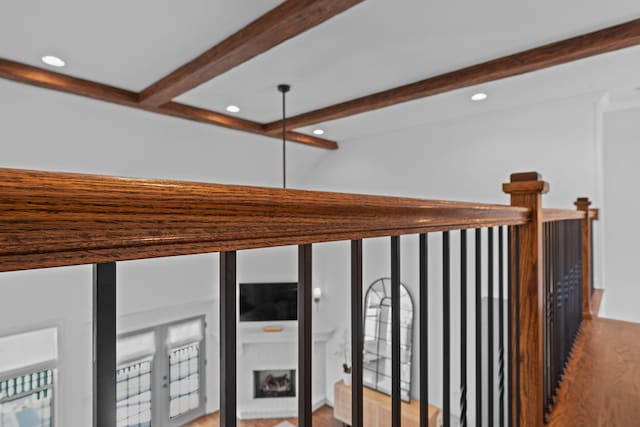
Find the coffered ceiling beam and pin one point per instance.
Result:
(34, 76)
(288, 20)
(561, 52)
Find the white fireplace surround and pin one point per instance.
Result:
(259, 350)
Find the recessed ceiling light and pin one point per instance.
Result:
(480, 96)
(54, 61)
(233, 109)
(318, 132)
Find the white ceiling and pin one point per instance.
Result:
(125, 43)
(373, 46)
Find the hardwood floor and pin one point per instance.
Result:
(602, 385)
(323, 417)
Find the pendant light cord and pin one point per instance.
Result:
(283, 88)
(284, 140)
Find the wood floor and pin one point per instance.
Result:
(602, 385)
(323, 417)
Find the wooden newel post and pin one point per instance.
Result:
(526, 303)
(583, 204)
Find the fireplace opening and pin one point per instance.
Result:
(274, 383)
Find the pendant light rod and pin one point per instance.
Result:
(284, 88)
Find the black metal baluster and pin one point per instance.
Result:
(228, 339)
(395, 332)
(424, 329)
(446, 331)
(463, 328)
(546, 285)
(516, 335)
(501, 325)
(557, 273)
(357, 333)
(104, 344)
(510, 303)
(305, 336)
(565, 293)
(490, 325)
(556, 299)
(478, 327)
(591, 260)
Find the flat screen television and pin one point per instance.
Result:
(267, 302)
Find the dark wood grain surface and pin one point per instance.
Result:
(561, 52)
(53, 219)
(289, 19)
(35, 76)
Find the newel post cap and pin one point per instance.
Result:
(526, 182)
(583, 203)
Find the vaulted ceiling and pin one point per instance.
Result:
(335, 53)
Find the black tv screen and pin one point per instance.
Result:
(260, 302)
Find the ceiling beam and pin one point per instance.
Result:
(288, 20)
(34, 76)
(561, 52)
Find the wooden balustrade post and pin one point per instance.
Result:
(583, 203)
(526, 305)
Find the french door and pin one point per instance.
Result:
(161, 375)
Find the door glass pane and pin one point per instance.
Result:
(133, 394)
(26, 400)
(184, 379)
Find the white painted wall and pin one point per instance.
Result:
(620, 213)
(465, 158)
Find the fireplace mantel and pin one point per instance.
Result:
(253, 333)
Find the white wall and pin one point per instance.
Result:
(469, 157)
(620, 213)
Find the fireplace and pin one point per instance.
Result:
(274, 383)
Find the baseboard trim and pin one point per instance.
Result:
(279, 413)
(596, 301)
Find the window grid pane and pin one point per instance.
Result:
(184, 380)
(27, 400)
(133, 394)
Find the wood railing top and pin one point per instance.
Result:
(52, 219)
(550, 215)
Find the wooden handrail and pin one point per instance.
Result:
(550, 215)
(52, 219)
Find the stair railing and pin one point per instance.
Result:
(50, 219)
